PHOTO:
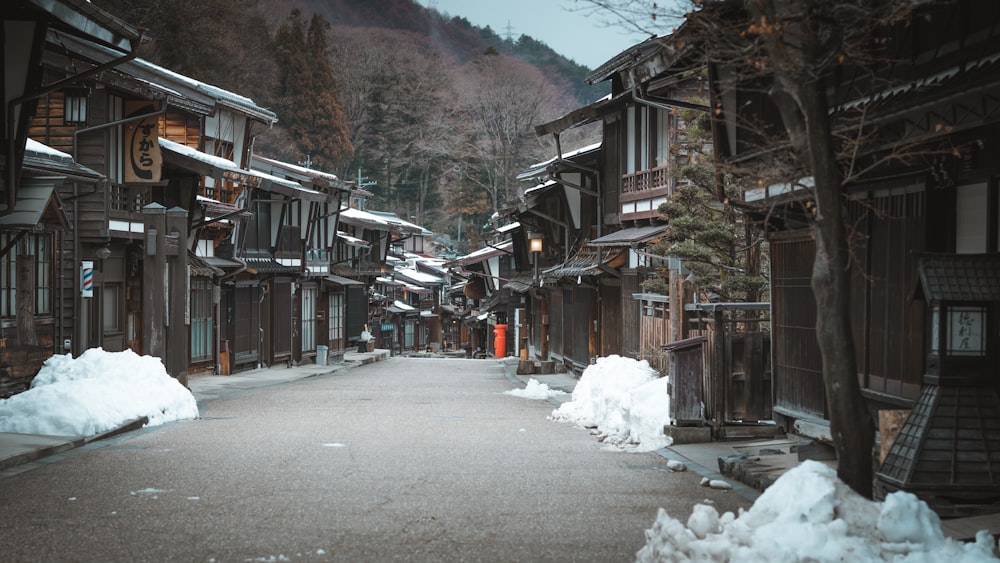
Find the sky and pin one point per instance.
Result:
(806, 515)
(585, 40)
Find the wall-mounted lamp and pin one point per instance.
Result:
(103, 252)
(75, 106)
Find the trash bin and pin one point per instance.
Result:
(322, 355)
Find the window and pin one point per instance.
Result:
(35, 248)
(110, 308)
(408, 334)
(656, 309)
(201, 319)
(336, 317)
(308, 319)
(972, 210)
(75, 106)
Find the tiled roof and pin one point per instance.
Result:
(960, 277)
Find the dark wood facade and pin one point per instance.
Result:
(941, 112)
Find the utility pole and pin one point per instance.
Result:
(307, 162)
(364, 182)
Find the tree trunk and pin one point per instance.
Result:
(801, 100)
(850, 422)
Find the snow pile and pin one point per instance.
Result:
(624, 399)
(96, 393)
(535, 390)
(810, 515)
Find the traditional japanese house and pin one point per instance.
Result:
(637, 170)
(33, 304)
(318, 293)
(929, 182)
(181, 146)
(361, 252)
(490, 302)
(575, 310)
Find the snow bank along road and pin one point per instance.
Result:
(412, 459)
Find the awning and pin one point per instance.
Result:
(587, 262)
(221, 209)
(200, 267)
(220, 168)
(629, 236)
(218, 262)
(353, 241)
(413, 288)
(342, 281)
(400, 307)
(37, 203)
(484, 254)
(269, 266)
(520, 283)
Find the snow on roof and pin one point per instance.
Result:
(394, 220)
(418, 276)
(221, 95)
(534, 169)
(42, 149)
(541, 186)
(403, 306)
(352, 241)
(333, 180)
(508, 227)
(363, 219)
(224, 164)
(488, 250)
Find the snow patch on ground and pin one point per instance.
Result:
(96, 393)
(625, 400)
(535, 390)
(810, 515)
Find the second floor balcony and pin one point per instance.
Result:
(643, 191)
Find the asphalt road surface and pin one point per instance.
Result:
(402, 460)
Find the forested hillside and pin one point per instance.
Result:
(438, 113)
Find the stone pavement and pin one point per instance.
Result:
(19, 449)
(703, 458)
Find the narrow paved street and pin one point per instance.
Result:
(406, 459)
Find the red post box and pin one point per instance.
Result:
(500, 341)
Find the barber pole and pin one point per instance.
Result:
(86, 278)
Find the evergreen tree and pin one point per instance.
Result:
(308, 100)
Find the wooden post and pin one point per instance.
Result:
(178, 319)
(718, 370)
(153, 282)
(544, 344)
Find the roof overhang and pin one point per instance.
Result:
(630, 236)
(83, 17)
(37, 205)
(339, 280)
(298, 173)
(205, 164)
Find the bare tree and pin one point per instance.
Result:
(502, 100)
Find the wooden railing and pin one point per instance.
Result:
(645, 180)
(128, 199)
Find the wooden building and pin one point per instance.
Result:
(944, 199)
(34, 301)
